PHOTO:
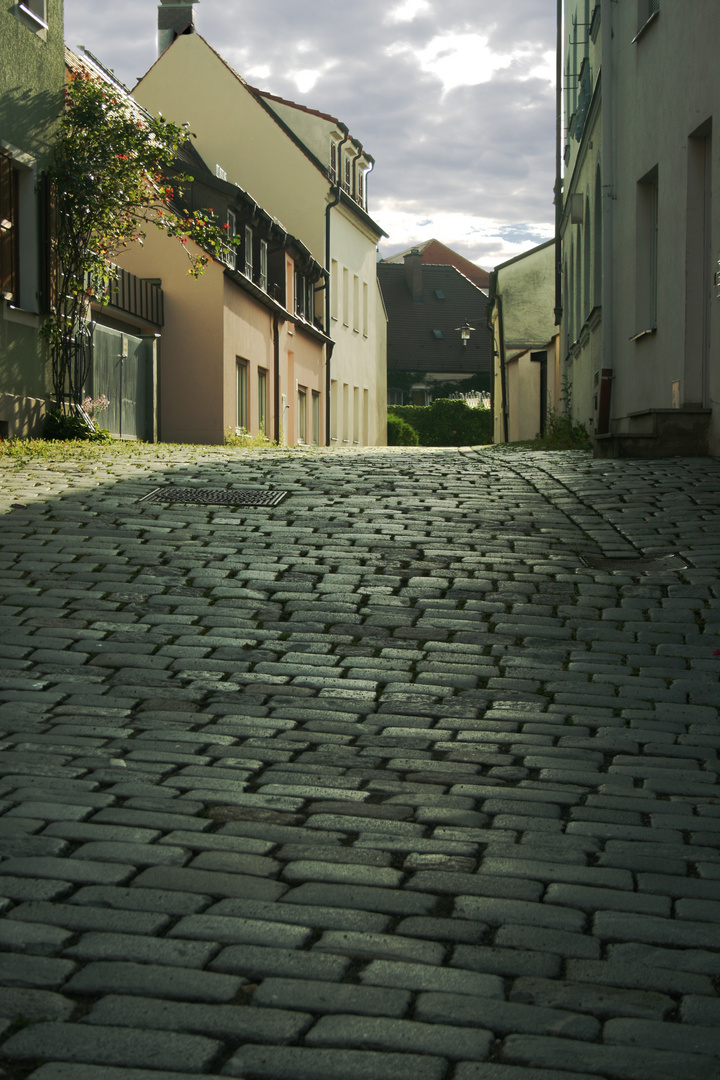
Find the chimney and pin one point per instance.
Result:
(174, 18)
(413, 273)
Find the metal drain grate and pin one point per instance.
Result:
(200, 496)
(635, 564)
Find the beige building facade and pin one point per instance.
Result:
(526, 383)
(640, 227)
(306, 172)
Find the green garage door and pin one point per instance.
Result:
(123, 369)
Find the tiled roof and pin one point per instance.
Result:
(413, 344)
(433, 251)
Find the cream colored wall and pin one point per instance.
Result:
(313, 130)
(190, 82)
(672, 72)
(248, 335)
(359, 359)
(191, 386)
(527, 286)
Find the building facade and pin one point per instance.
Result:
(31, 102)
(640, 226)
(306, 172)
(526, 375)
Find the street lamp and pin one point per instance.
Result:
(465, 331)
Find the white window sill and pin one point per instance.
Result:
(14, 314)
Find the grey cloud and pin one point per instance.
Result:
(485, 150)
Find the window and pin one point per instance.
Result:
(348, 174)
(302, 414)
(263, 271)
(646, 275)
(356, 303)
(9, 253)
(439, 335)
(356, 414)
(360, 193)
(34, 14)
(333, 159)
(346, 412)
(229, 255)
(248, 252)
(334, 405)
(262, 401)
(346, 297)
(241, 418)
(334, 288)
(309, 302)
(299, 294)
(365, 309)
(21, 229)
(315, 417)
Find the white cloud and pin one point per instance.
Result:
(483, 240)
(457, 59)
(407, 11)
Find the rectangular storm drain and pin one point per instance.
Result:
(200, 496)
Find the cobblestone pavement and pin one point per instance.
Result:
(393, 781)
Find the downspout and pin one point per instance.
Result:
(558, 163)
(496, 298)
(276, 377)
(608, 195)
(328, 266)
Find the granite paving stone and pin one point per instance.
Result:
(385, 782)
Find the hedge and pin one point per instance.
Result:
(447, 422)
(400, 433)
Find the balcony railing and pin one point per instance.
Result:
(141, 297)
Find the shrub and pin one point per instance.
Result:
(400, 433)
(59, 425)
(447, 423)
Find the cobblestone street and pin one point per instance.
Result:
(413, 776)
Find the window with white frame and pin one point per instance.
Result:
(333, 159)
(241, 415)
(262, 279)
(302, 414)
(34, 14)
(365, 309)
(229, 254)
(19, 230)
(356, 303)
(262, 401)
(315, 417)
(9, 231)
(248, 252)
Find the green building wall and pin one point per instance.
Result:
(32, 68)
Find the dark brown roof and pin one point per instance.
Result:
(433, 251)
(423, 335)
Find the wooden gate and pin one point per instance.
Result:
(124, 369)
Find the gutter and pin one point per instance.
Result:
(328, 265)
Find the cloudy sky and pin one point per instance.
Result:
(454, 99)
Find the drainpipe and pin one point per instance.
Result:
(495, 296)
(276, 377)
(608, 195)
(328, 265)
(558, 163)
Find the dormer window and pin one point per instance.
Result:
(348, 174)
(360, 194)
(229, 253)
(333, 159)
